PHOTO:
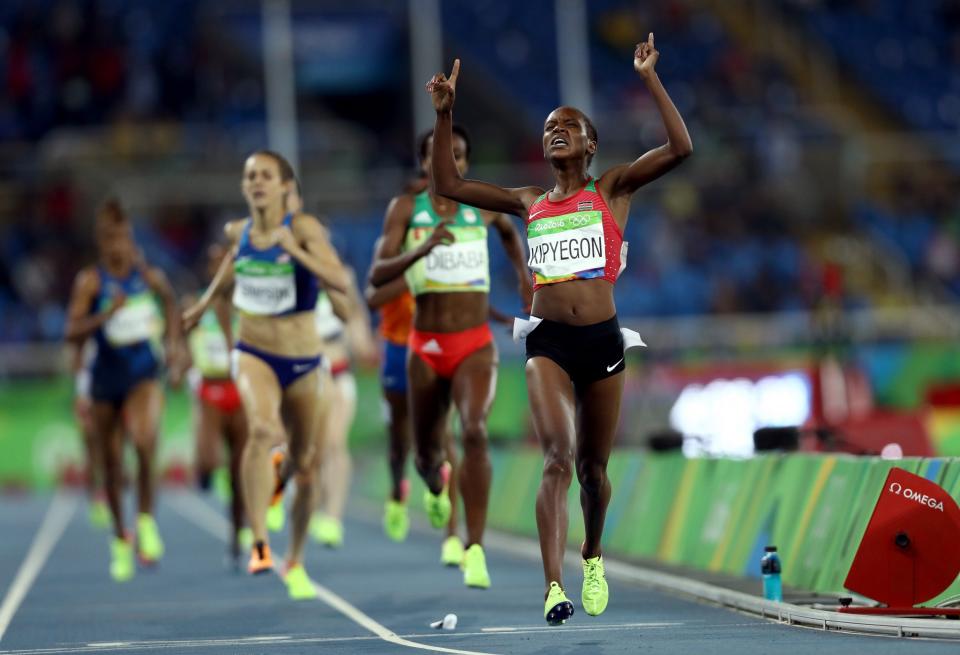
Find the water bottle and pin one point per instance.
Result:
(770, 568)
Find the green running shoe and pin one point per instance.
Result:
(299, 584)
(438, 506)
(595, 593)
(276, 517)
(326, 530)
(99, 514)
(149, 543)
(451, 552)
(558, 607)
(396, 520)
(121, 560)
(475, 572)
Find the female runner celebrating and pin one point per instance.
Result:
(575, 349)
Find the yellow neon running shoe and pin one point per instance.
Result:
(149, 543)
(475, 572)
(558, 608)
(438, 506)
(451, 552)
(121, 560)
(595, 594)
(396, 520)
(299, 584)
(326, 530)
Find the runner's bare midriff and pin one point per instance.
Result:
(292, 335)
(451, 312)
(575, 302)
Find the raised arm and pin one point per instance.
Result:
(81, 324)
(389, 259)
(446, 179)
(623, 181)
(513, 246)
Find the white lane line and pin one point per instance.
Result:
(59, 513)
(607, 626)
(205, 517)
(240, 642)
(181, 645)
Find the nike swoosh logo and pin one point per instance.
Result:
(530, 216)
(613, 366)
(300, 368)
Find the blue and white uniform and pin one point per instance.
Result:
(127, 345)
(271, 282)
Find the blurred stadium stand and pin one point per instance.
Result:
(159, 103)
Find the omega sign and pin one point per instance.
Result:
(916, 496)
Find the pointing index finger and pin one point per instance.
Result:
(455, 72)
(650, 40)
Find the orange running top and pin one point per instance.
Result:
(396, 317)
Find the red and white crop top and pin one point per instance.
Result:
(574, 239)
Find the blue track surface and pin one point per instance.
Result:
(194, 604)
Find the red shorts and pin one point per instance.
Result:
(444, 351)
(221, 394)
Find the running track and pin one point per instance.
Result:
(376, 597)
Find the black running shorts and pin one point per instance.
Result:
(586, 352)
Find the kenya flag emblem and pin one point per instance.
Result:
(585, 206)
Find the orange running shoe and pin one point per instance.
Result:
(260, 559)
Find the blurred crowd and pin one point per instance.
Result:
(733, 231)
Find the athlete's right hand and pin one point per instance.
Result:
(442, 90)
(440, 236)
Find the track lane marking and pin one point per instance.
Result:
(55, 521)
(206, 518)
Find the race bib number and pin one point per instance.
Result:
(563, 246)
(264, 288)
(135, 322)
(458, 264)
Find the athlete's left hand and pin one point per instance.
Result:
(283, 237)
(645, 57)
